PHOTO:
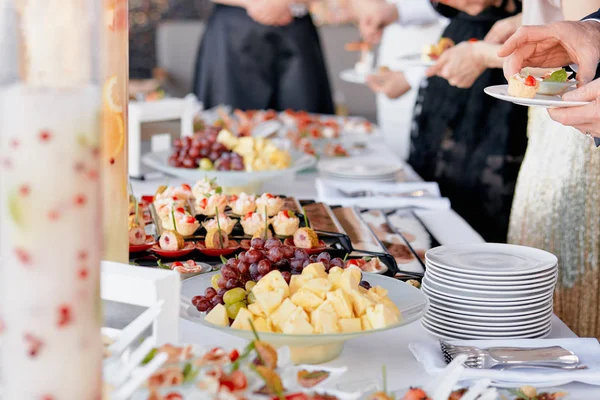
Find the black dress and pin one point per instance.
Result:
(469, 142)
(247, 65)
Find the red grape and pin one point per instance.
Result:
(282, 265)
(222, 282)
(313, 258)
(210, 293)
(275, 254)
(324, 257)
(257, 243)
(264, 267)
(337, 262)
(365, 284)
(233, 262)
(203, 305)
(297, 265)
(194, 152)
(273, 242)
(242, 256)
(253, 270)
(253, 256)
(243, 268)
(232, 283)
(305, 263)
(213, 156)
(221, 292)
(187, 141)
(218, 299)
(204, 152)
(287, 276)
(197, 299)
(301, 254)
(288, 251)
(188, 162)
(177, 143)
(210, 308)
(173, 162)
(258, 278)
(228, 272)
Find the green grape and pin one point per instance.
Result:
(206, 165)
(234, 296)
(234, 309)
(214, 280)
(251, 298)
(250, 285)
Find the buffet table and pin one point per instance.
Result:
(365, 356)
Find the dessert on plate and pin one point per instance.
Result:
(272, 203)
(366, 63)
(226, 224)
(212, 203)
(204, 187)
(253, 222)
(285, 223)
(242, 203)
(523, 86)
(432, 52)
(187, 224)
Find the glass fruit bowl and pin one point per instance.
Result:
(313, 348)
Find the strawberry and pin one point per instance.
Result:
(190, 219)
(269, 196)
(203, 203)
(234, 355)
(530, 81)
(186, 187)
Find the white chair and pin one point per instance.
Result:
(145, 287)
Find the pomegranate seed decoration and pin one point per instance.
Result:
(80, 200)
(14, 143)
(24, 190)
(45, 136)
(111, 161)
(34, 345)
(23, 256)
(65, 316)
(47, 397)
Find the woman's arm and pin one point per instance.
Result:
(583, 8)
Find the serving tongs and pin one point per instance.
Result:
(504, 358)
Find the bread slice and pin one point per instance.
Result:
(518, 88)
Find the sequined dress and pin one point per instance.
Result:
(556, 208)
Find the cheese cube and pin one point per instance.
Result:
(242, 321)
(272, 282)
(218, 316)
(360, 302)
(324, 319)
(381, 316)
(379, 290)
(348, 325)
(314, 270)
(341, 303)
(307, 300)
(256, 310)
(269, 300)
(390, 304)
(282, 314)
(296, 283)
(297, 325)
(262, 325)
(335, 275)
(350, 279)
(318, 286)
(366, 325)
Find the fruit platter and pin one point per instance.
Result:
(313, 309)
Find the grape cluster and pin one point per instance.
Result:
(203, 148)
(241, 274)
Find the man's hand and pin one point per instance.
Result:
(554, 45)
(460, 65)
(585, 118)
(270, 12)
(503, 29)
(372, 17)
(391, 83)
(472, 7)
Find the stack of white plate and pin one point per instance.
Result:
(359, 168)
(489, 291)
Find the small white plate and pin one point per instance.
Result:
(484, 311)
(484, 318)
(449, 335)
(493, 324)
(491, 298)
(359, 168)
(500, 307)
(483, 332)
(500, 329)
(491, 282)
(540, 100)
(351, 76)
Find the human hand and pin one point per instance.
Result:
(585, 118)
(391, 83)
(554, 45)
(460, 65)
(472, 7)
(270, 12)
(503, 29)
(372, 17)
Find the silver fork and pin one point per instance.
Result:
(512, 357)
(371, 193)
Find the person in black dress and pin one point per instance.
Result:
(259, 54)
(467, 141)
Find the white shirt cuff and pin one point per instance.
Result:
(414, 76)
(415, 12)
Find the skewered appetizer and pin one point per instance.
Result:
(204, 187)
(186, 222)
(208, 204)
(171, 240)
(242, 204)
(285, 223)
(252, 223)
(182, 192)
(306, 238)
(273, 204)
(523, 86)
(164, 206)
(227, 224)
(137, 235)
(216, 239)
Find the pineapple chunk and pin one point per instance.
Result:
(366, 325)
(296, 283)
(272, 282)
(381, 316)
(324, 319)
(350, 279)
(315, 270)
(297, 325)
(269, 300)
(348, 325)
(360, 302)
(390, 304)
(318, 286)
(255, 309)
(341, 302)
(379, 290)
(262, 325)
(218, 316)
(335, 275)
(307, 300)
(242, 321)
(299, 313)
(282, 314)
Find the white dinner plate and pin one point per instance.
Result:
(486, 306)
(468, 282)
(494, 324)
(497, 299)
(441, 311)
(540, 100)
(359, 168)
(448, 335)
(483, 332)
(492, 259)
(351, 76)
(479, 293)
(474, 312)
(523, 326)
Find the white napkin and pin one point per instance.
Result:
(327, 192)
(430, 356)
